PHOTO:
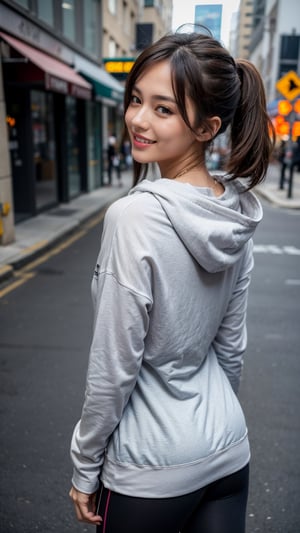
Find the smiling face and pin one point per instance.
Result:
(156, 128)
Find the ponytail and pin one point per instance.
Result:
(252, 132)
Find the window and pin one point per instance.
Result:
(148, 3)
(72, 147)
(45, 11)
(112, 6)
(91, 25)
(144, 35)
(24, 3)
(112, 48)
(44, 148)
(289, 54)
(94, 152)
(289, 47)
(68, 19)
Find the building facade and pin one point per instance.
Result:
(58, 103)
(275, 41)
(243, 29)
(129, 26)
(53, 94)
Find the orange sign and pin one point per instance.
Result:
(289, 85)
(296, 129)
(297, 106)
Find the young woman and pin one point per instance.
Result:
(162, 430)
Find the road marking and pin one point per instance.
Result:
(291, 250)
(27, 272)
(22, 278)
(275, 250)
(34, 247)
(5, 270)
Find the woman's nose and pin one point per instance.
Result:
(141, 118)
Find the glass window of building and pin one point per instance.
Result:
(112, 6)
(74, 184)
(45, 11)
(24, 3)
(44, 148)
(68, 20)
(91, 24)
(94, 151)
(112, 48)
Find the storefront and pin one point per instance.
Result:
(104, 116)
(45, 104)
(56, 121)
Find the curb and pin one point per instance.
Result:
(6, 272)
(33, 252)
(289, 203)
(29, 254)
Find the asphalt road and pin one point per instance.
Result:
(45, 327)
(270, 391)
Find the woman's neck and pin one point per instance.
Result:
(196, 174)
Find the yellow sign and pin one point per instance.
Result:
(118, 67)
(289, 85)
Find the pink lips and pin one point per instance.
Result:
(141, 142)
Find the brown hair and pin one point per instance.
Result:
(203, 70)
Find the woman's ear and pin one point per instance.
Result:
(209, 130)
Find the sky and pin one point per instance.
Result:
(184, 12)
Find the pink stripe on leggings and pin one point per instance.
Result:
(106, 511)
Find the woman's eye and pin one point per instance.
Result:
(164, 110)
(135, 99)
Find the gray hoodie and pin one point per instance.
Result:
(161, 417)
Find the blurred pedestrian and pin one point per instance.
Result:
(295, 157)
(283, 163)
(162, 442)
(290, 159)
(113, 160)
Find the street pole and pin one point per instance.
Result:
(292, 117)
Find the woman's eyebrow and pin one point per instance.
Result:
(163, 97)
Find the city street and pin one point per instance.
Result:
(45, 327)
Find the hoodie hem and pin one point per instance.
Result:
(170, 481)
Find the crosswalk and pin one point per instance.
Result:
(275, 249)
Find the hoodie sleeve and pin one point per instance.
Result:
(231, 339)
(120, 326)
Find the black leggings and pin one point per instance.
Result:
(217, 508)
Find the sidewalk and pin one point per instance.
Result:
(39, 234)
(269, 189)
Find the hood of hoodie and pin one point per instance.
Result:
(213, 229)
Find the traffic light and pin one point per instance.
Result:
(284, 107)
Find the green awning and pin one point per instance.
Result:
(105, 86)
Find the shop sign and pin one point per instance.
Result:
(118, 65)
(55, 84)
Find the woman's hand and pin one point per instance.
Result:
(85, 507)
